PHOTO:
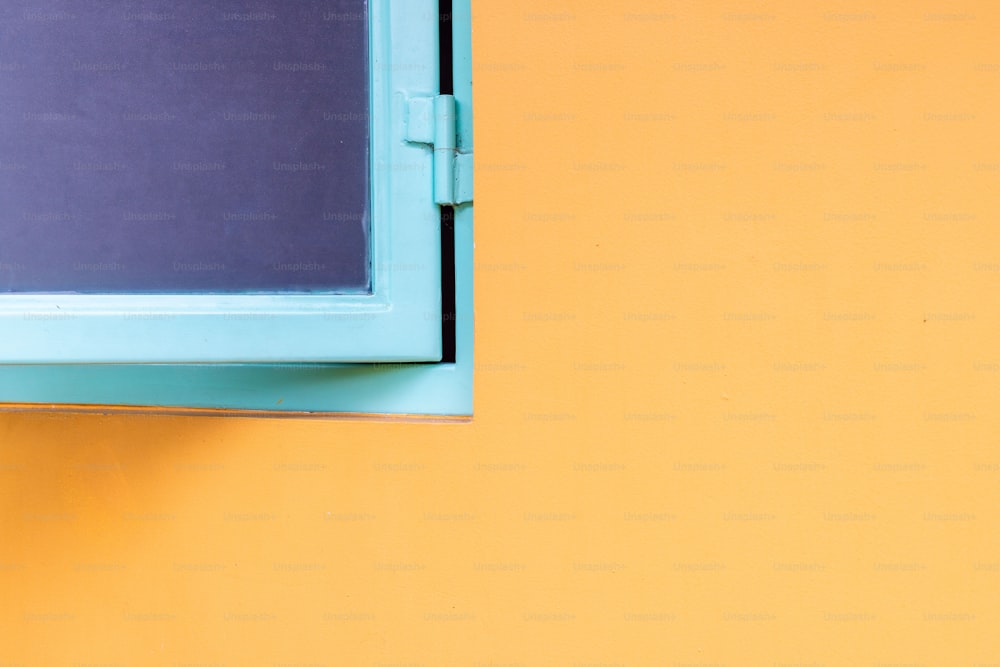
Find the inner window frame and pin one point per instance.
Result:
(400, 320)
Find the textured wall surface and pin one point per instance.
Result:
(737, 287)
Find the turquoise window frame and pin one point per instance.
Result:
(442, 389)
(398, 321)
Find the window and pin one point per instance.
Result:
(216, 207)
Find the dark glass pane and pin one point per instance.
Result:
(184, 145)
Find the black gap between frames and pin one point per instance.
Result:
(448, 315)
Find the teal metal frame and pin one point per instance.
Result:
(283, 388)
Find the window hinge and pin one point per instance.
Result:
(433, 121)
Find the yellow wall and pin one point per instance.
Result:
(737, 289)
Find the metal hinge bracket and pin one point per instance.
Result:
(432, 121)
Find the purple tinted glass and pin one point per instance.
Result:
(184, 146)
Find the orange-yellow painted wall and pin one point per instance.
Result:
(736, 394)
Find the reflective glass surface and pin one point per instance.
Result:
(184, 146)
